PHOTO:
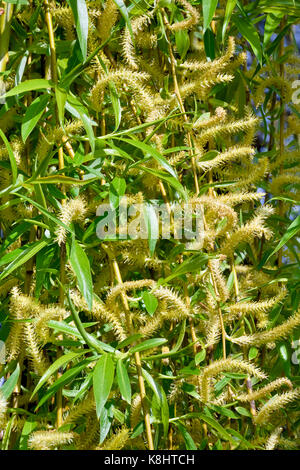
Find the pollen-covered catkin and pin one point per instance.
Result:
(275, 404)
(44, 440)
(72, 210)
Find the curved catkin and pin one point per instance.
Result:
(278, 83)
(262, 392)
(257, 309)
(117, 441)
(274, 334)
(273, 440)
(83, 409)
(241, 125)
(255, 228)
(174, 300)
(34, 352)
(65, 19)
(216, 210)
(107, 20)
(223, 292)
(224, 158)
(72, 210)
(44, 440)
(100, 312)
(125, 287)
(224, 365)
(275, 404)
(190, 21)
(90, 438)
(135, 411)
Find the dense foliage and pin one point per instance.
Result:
(115, 341)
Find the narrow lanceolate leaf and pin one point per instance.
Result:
(123, 381)
(28, 85)
(124, 12)
(8, 387)
(23, 257)
(61, 98)
(292, 230)
(230, 4)
(80, 13)
(192, 264)
(81, 266)
(248, 31)
(103, 378)
(148, 344)
(33, 114)
(117, 190)
(61, 361)
(152, 152)
(13, 163)
(208, 8)
(188, 440)
(77, 110)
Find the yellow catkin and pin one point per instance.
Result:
(190, 21)
(257, 309)
(262, 392)
(84, 408)
(225, 158)
(224, 365)
(135, 411)
(34, 352)
(100, 312)
(275, 334)
(107, 20)
(44, 440)
(73, 210)
(273, 440)
(117, 441)
(275, 404)
(255, 228)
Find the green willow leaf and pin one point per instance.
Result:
(194, 263)
(32, 116)
(28, 85)
(12, 159)
(188, 440)
(208, 8)
(61, 361)
(81, 266)
(248, 31)
(148, 150)
(103, 377)
(230, 4)
(148, 344)
(292, 230)
(23, 257)
(81, 17)
(117, 190)
(9, 386)
(123, 381)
